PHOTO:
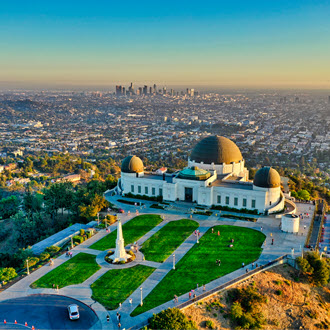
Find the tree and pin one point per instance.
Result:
(321, 273)
(236, 310)
(304, 266)
(31, 203)
(171, 319)
(304, 195)
(9, 206)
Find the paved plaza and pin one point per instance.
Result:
(283, 244)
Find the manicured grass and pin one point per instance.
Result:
(160, 245)
(199, 266)
(117, 285)
(74, 271)
(132, 231)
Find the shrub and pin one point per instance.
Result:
(82, 232)
(110, 219)
(32, 261)
(77, 239)
(278, 282)
(44, 256)
(7, 274)
(209, 324)
(279, 292)
(52, 250)
(171, 319)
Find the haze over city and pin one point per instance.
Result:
(277, 44)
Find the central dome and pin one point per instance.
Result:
(216, 149)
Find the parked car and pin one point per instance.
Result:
(73, 312)
(121, 211)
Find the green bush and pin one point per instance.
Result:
(171, 319)
(44, 256)
(88, 234)
(279, 292)
(32, 261)
(7, 274)
(82, 232)
(209, 324)
(77, 239)
(148, 198)
(52, 250)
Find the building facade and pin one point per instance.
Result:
(215, 175)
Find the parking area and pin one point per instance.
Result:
(46, 312)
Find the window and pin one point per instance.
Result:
(153, 191)
(219, 199)
(160, 191)
(146, 190)
(253, 203)
(244, 202)
(132, 188)
(139, 189)
(227, 200)
(235, 201)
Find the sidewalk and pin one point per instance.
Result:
(283, 243)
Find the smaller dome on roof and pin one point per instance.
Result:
(267, 177)
(194, 173)
(132, 164)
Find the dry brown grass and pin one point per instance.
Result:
(290, 304)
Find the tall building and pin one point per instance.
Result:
(145, 90)
(192, 92)
(164, 90)
(155, 89)
(119, 90)
(329, 99)
(150, 91)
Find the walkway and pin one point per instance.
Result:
(283, 243)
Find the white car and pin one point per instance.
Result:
(73, 312)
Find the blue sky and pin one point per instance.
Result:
(217, 43)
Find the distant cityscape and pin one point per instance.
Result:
(152, 90)
(266, 126)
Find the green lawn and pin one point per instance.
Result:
(74, 271)
(199, 266)
(160, 245)
(117, 285)
(132, 231)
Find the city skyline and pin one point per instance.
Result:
(249, 44)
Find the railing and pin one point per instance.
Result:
(220, 287)
(309, 234)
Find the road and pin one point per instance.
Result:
(45, 311)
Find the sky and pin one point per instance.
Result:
(269, 43)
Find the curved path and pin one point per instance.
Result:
(46, 312)
(283, 244)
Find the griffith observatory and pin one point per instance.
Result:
(215, 175)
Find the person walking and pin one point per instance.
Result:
(261, 228)
(252, 265)
(219, 262)
(212, 230)
(204, 287)
(272, 241)
(131, 301)
(189, 294)
(218, 232)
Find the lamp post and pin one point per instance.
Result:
(27, 266)
(173, 261)
(71, 242)
(141, 303)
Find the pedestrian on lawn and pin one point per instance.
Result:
(212, 230)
